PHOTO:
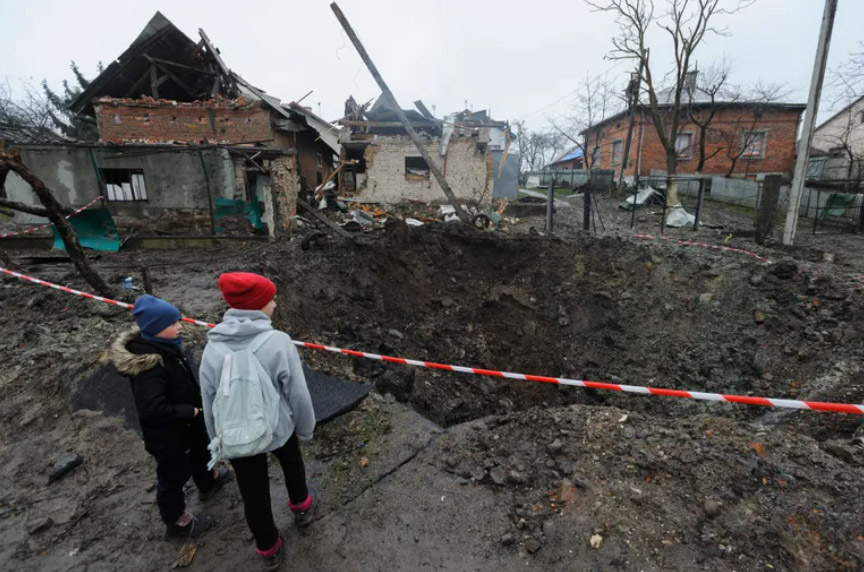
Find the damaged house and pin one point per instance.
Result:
(382, 164)
(179, 134)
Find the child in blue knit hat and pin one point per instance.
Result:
(168, 400)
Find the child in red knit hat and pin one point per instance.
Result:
(252, 300)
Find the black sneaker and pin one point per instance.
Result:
(222, 477)
(274, 561)
(305, 517)
(197, 526)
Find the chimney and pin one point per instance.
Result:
(690, 81)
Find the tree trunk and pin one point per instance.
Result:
(671, 179)
(64, 229)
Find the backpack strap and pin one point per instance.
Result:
(260, 340)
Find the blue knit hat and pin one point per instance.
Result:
(153, 314)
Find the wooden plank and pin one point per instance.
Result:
(312, 211)
(422, 107)
(353, 123)
(170, 74)
(180, 66)
(137, 85)
(154, 82)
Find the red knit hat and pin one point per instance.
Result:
(246, 291)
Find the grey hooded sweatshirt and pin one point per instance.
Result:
(279, 358)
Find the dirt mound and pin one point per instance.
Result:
(673, 495)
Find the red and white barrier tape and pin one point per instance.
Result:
(35, 228)
(698, 395)
(704, 245)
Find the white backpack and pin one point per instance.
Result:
(246, 405)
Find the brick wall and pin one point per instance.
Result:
(780, 125)
(308, 150)
(284, 187)
(160, 121)
(468, 171)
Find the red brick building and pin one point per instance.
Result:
(742, 139)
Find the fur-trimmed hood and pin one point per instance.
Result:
(125, 361)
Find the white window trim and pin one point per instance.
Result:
(690, 147)
(319, 159)
(761, 155)
(620, 155)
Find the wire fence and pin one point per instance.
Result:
(829, 205)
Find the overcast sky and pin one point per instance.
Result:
(521, 60)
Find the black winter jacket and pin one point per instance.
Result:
(166, 392)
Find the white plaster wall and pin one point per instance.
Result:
(467, 170)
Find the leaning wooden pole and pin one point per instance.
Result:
(415, 138)
(53, 211)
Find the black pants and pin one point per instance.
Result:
(173, 472)
(254, 483)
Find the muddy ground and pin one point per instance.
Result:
(444, 471)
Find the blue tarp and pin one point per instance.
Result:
(95, 229)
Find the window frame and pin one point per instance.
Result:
(410, 175)
(620, 144)
(319, 160)
(762, 146)
(691, 138)
(112, 184)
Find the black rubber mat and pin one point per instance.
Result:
(111, 393)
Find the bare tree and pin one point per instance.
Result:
(25, 117)
(742, 138)
(538, 148)
(686, 22)
(847, 80)
(706, 97)
(597, 100)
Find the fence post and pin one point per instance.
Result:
(818, 198)
(586, 203)
(766, 212)
(699, 204)
(550, 202)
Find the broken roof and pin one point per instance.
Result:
(188, 72)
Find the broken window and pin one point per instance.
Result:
(124, 184)
(416, 167)
(753, 144)
(684, 145)
(319, 159)
(617, 151)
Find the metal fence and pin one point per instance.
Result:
(832, 205)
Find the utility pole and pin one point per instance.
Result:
(633, 101)
(809, 122)
(400, 113)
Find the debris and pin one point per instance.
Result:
(396, 333)
(596, 541)
(41, 525)
(759, 316)
(363, 219)
(758, 448)
(677, 217)
(706, 297)
(711, 508)
(533, 545)
(645, 196)
(516, 478)
(364, 461)
(623, 418)
(187, 553)
(555, 447)
(64, 465)
(566, 492)
(413, 222)
(508, 539)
